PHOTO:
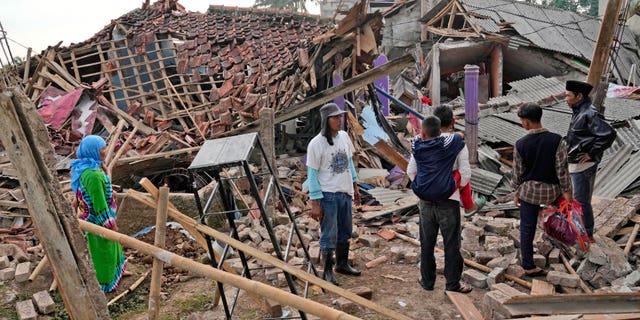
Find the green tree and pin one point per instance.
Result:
(296, 5)
(589, 7)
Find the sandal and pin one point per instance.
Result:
(537, 273)
(424, 286)
(463, 288)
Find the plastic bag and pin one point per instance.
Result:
(564, 223)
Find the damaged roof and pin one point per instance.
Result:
(551, 29)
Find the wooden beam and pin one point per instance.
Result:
(27, 145)
(316, 100)
(632, 238)
(465, 306)
(567, 265)
(202, 270)
(593, 303)
(156, 270)
(293, 270)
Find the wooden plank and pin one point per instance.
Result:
(159, 241)
(632, 238)
(593, 303)
(349, 85)
(465, 306)
(567, 265)
(623, 211)
(620, 316)
(32, 155)
(13, 204)
(541, 288)
(562, 317)
(293, 270)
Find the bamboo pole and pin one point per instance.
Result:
(114, 139)
(177, 261)
(132, 287)
(38, 268)
(123, 147)
(156, 271)
(293, 270)
(567, 265)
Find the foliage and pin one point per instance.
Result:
(295, 5)
(589, 7)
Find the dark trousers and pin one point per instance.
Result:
(582, 183)
(336, 224)
(528, 222)
(446, 217)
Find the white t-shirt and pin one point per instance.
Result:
(332, 162)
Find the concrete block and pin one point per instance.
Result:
(483, 257)
(496, 276)
(503, 245)
(545, 247)
(540, 261)
(499, 262)
(266, 246)
(599, 281)
(281, 219)
(597, 255)
(26, 310)
(272, 274)
(364, 292)
(475, 278)
(557, 267)
(255, 237)
(298, 262)
(4, 262)
(493, 302)
(396, 253)
(632, 279)
(12, 250)
(507, 289)
(497, 228)
(563, 279)
(282, 280)
(7, 274)
(472, 232)
(314, 252)
(514, 235)
(554, 256)
(439, 263)
(244, 234)
(43, 302)
(471, 246)
(411, 257)
(481, 221)
(371, 241)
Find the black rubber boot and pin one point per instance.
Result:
(328, 275)
(342, 260)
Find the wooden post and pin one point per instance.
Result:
(237, 281)
(435, 76)
(497, 61)
(27, 144)
(268, 139)
(156, 271)
(602, 50)
(471, 110)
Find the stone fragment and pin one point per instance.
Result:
(545, 247)
(7, 274)
(255, 237)
(499, 262)
(557, 267)
(244, 234)
(598, 281)
(4, 262)
(26, 310)
(439, 263)
(314, 252)
(364, 292)
(266, 246)
(483, 257)
(597, 255)
(554, 256)
(281, 219)
(43, 302)
(563, 279)
(396, 254)
(587, 270)
(495, 276)
(272, 274)
(475, 278)
(369, 240)
(514, 235)
(497, 228)
(540, 261)
(515, 270)
(346, 305)
(471, 232)
(411, 257)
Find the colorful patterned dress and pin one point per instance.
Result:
(98, 206)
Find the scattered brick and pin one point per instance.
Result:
(43, 302)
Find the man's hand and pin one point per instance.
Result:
(516, 199)
(584, 158)
(316, 210)
(568, 196)
(356, 194)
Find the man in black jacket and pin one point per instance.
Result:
(588, 137)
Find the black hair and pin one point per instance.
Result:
(431, 126)
(445, 114)
(326, 132)
(530, 111)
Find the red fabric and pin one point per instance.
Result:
(425, 100)
(465, 192)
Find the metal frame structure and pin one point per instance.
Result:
(219, 155)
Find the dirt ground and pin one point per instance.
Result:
(187, 297)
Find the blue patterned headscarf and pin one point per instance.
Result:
(88, 158)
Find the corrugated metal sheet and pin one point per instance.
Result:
(630, 135)
(486, 24)
(499, 207)
(615, 162)
(388, 197)
(534, 89)
(483, 181)
(494, 129)
(627, 174)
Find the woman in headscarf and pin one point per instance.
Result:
(97, 204)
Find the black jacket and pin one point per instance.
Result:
(588, 132)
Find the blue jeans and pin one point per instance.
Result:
(446, 217)
(528, 222)
(336, 221)
(582, 183)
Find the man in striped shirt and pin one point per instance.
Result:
(540, 177)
